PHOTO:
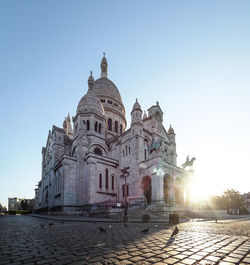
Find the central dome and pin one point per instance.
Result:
(105, 87)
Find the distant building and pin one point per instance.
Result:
(3, 209)
(83, 164)
(246, 200)
(14, 204)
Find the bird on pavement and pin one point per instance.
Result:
(102, 229)
(42, 225)
(125, 225)
(145, 230)
(50, 224)
(176, 231)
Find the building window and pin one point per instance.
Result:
(145, 154)
(100, 181)
(109, 102)
(121, 128)
(96, 125)
(113, 182)
(116, 126)
(123, 153)
(107, 178)
(102, 100)
(109, 124)
(88, 125)
(126, 150)
(129, 149)
(100, 128)
(116, 104)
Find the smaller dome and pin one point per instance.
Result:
(90, 104)
(136, 106)
(91, 80)
(171, 130)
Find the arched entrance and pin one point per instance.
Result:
(147, 188)
(168, 185)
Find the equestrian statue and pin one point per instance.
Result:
(188, 163)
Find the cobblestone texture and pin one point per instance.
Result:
(24, 241)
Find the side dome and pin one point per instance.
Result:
(90, 103)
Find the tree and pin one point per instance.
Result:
(24, 205)
(232, 199)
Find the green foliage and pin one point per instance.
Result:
(230, 199)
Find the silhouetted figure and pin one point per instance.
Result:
(125, 225)
(145, 230)
(176, 231)
(102, 229)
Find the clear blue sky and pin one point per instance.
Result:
(191, 56)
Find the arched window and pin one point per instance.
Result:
(123, 153)
(88, 125)
(129, 149)
(145, 154)
(116, 126)
(96, 125)
(100, 128)
(113, 182)
(121, 128)
(107, 178)
(100, 181)
(109, 124)
(126, 150)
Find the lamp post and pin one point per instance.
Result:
(124, 175)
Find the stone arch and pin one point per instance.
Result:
(147, 188)
(168, 188)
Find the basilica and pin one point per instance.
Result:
(97, 159)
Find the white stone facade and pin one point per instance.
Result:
(81, 166)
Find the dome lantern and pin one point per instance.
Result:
(104, 66)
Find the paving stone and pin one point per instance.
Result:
(170, 260)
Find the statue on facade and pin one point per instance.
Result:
(155, 145)
(189, 162)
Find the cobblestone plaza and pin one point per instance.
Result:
(30, 240)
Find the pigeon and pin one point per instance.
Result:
(50, 224)
(102, 229)
(42, 225)
(145, 230)
(176, 231)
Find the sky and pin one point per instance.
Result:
(191, 56)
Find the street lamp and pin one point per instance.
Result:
(124, 175)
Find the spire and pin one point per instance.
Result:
(91, 81)
(69, 129)
(104, 66)
(145, 115)
(65, 124)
